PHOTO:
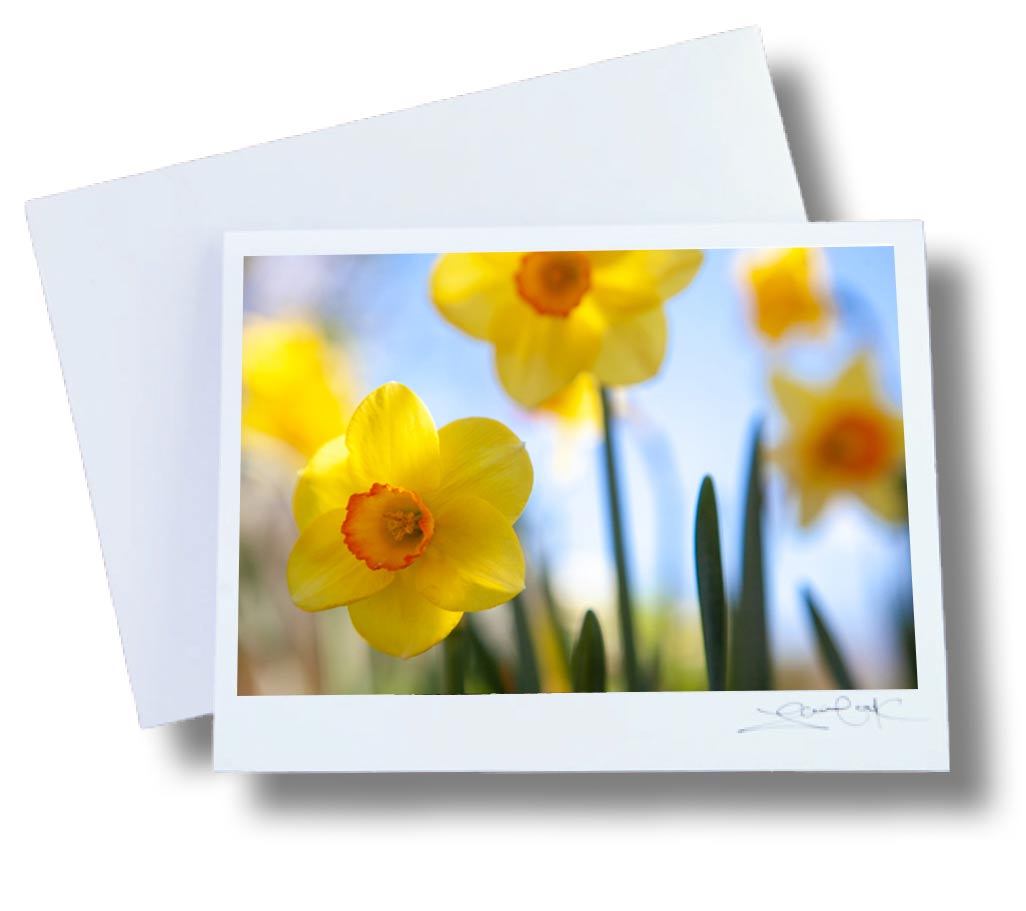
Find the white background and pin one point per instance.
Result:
(893, 110)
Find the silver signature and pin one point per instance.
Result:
(844, 710)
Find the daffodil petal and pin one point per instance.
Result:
(796, 400)
(392, 440)
(536, 356)
(474, 561)
(483, 458)
(400, 621)
(322, 571)
(466, 287)
(639, 280)
(672, 270)
(578, 404)
(326, 483)
(811, 502)
(886, 497)
(620, 303)
(786, 455)
(856, 382)
(632, 350)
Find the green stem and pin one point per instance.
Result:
(453, 662)
(624, 608)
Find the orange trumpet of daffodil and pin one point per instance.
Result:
(788, 293)
(844, 439)
(409, 526)
(551, 316)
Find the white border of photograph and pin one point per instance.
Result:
(823, 730)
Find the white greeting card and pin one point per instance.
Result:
(603, 498)
(131, 274)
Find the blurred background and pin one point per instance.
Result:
(326, 330)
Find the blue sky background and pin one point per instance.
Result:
(695, 418)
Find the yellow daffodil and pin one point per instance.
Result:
(788, 293)
(294, 384)
(409, 526)
(575, 413)
(554, 315)
(843, 440)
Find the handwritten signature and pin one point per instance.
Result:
(842, 711)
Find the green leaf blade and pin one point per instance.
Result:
(588, 659)
(528, 678)
(454, 663)
(750, 667)
(482, 660)
(712, 597)
(828, 649)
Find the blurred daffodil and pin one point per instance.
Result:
(788, 293)
(294, 384)
(577, 405)
(843, 440)
(575, 413)
(409, 526)
(554, 315)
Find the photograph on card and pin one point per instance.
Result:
(573, 471)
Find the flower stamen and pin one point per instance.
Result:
(387, 527)
(402, 523)
(854, 445)
(553, 283)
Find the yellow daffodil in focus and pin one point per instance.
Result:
(553, 315)
(294, 385)
(409, 526)
(843, 440)
(788, 293)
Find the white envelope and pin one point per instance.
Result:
(131, 271)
